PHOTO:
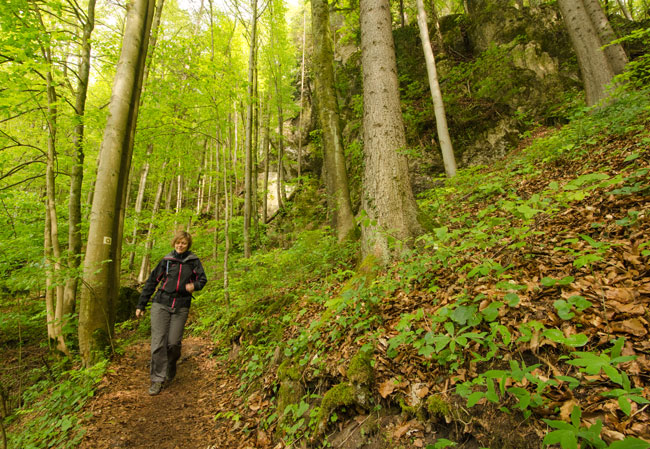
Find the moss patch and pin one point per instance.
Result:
(360, 371)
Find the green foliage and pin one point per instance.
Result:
(52, 409)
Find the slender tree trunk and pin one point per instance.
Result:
(104, 238)
(265, 148)
(50, 301)
(438, 105)
(226, 226)
(338, 193)
(146, 257)
(402, 14)
(614, 52)
(302, 90)
(50, 183)
(139, 200)
(255, 215)
(625, 10)
(76, 173)
(215, 247)
(388, 199)
(248, 146)
(595, 68)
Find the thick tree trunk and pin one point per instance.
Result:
(336, 177)
(388, 199)
(104, 238)
(438, 105)
(615, 53)
(594, 66)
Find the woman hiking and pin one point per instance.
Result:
(181, 274)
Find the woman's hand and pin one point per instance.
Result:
(139, 313)
(189, 287)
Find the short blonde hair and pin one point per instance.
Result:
(182, 235)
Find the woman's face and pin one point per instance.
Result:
(181, 246)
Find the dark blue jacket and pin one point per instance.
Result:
(174, 271)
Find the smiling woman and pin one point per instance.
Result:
(181, 274)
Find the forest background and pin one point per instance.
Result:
(223, 127)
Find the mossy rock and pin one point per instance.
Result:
(290, 392)
(342, 395)
(437, 407)
(289, 370)
(360, 371)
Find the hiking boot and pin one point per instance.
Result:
(155, 388)
(171, 372)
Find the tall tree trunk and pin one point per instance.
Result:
(248, 145)
(302, 89)
(438, 105)
(614, 52)
(625, 10)
(388, 199)
(226, 226)
(336, 177)
(402, 14)
(50, 186)
(76, 172)
(146, 257)
(595, 68)
(104, 237)
(265, 148)
(256, 143)
(50, 301)
(139, 200)
(215, 247)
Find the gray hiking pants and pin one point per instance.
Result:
(167, 326)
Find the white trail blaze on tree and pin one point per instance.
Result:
(104, 237)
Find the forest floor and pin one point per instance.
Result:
(182, 416)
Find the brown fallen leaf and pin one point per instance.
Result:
(632, 326)
(566, 409)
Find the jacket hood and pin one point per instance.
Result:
(186, 256)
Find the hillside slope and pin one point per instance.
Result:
(525, 307)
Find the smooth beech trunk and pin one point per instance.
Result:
(336, 176)
(387, 198)
(101, 265)
(438, 105)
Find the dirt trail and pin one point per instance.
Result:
(180, 417)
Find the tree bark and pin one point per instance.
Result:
(595, 68)
(248, 156)
(76, 172)
(146, 257)
(614, 52)
(388, 199)
(265, 148)
(104, 236)
(336, 177)
(139, 200)
(625, 10)
(438, 105)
